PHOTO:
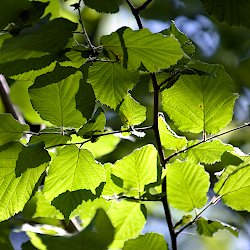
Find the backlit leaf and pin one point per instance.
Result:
(187, 185)
(134, 48)
(16, 189)
(10, 129)
(73, 169)
(234, 185)
(201, 103)
(111, 82)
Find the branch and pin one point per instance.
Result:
(135, 13)
(144, 6)
(213, 201)
(208, 139)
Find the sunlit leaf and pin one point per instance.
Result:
(149, 241)
(53, 97)
(137, 169)
(10, 129)
(234, 186)
(110, 82)
(201, 103)
(210, 227)
(134, 48)
(169, 139)
(187, 185)
(208, 152)
(73, 169)
(17, 183)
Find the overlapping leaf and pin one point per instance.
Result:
(134, 48)
(17, 182)
(132, 112)
(234, 186)
(137, 169)
(169, 139)
(201, 103)
(187, 185)
(53, 97)
(208, 152)
(149, 241)
(73, 169)
(110, 82)
(10, 129)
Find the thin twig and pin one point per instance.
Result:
(144, 6)
(208, 139)
(135, 13)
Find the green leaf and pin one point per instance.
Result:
(94, 126)
(186, 44)
(73, 169)
(10, 129)
(129, 223)
(187, 185)
(5, 229)
(169, 139)
(184, 221)
(98, 235)
(111, 82)
(209, 227)
(132, 112)
(111, 6)
(134, 48)
(201, 103)
(232, 12)
(208, 152)
(234, 186)
(45, 209)
(53, 97)
(149, 241)
(16, 191)
(137, 169)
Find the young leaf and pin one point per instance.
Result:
(149, 241)
(208, 152)
(10, 129)
(209, 227)
(132, 112)
(201, 103)
(137, 169)
(73, 169)
(234, 186)
(187, 185)
(134, 48)
(111, 6)
(111, 82)
(98, 235)
(15, 190)
(53, 97)
(169, 139)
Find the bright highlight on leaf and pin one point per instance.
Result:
(234, 186)
(208, 152)
(134, 48)
(187, 185)
(53, 97)
(149, 241)
(137, 169)
(169, 139)
(132, 112)
(201, 103)
(16, 188)
(10, 129)
(73, 169)
(111, 82)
